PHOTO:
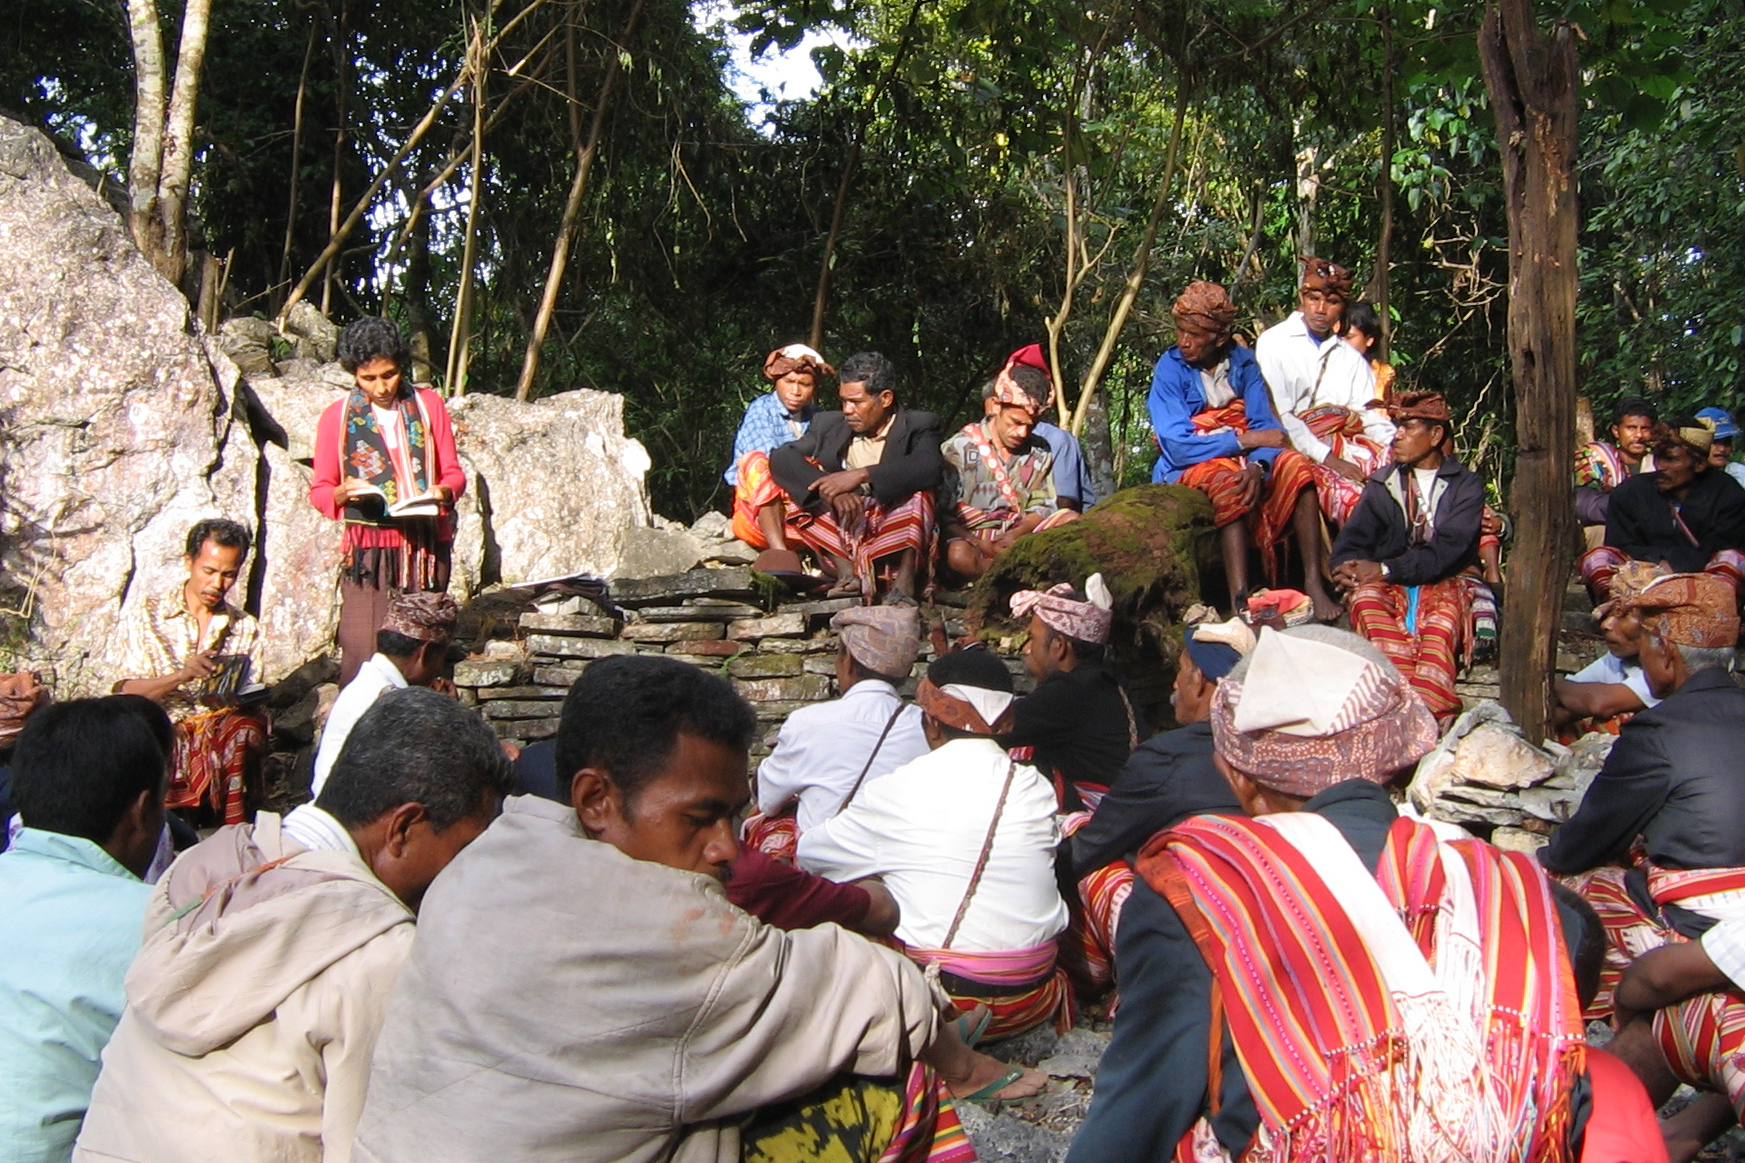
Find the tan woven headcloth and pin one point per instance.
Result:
(1206, 308)
(1314, 708)
(884, 639)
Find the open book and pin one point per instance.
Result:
(425, 504)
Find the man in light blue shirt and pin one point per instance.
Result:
(88, 782)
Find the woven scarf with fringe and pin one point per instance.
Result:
(1425, 1013)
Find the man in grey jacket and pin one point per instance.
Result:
(581, 989)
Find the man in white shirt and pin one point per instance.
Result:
(411, 650)
(826, 751)
(1322, 390)
(1603, 695)
(964, 839)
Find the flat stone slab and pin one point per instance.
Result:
(560, 676)
(718, 648)
(521, 708)
(671, 631)
(560, 647)
(696, 583)
(769, 666)
(774, 626)
(581, 625)
(805, 688)
(699, 612)
(543, 691)
(485, 674)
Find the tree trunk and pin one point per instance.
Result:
(1308, 192)
(566, 231)
(1532, 78)
(1099, 446)
(179, 138)
(296, 160)
(1384, 188)
(460, 340)
(145, 163)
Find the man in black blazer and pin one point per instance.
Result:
(1685, 516)
(1406, 557)
(1673, 779)
(860, 483)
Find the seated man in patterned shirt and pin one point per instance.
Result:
(999, 475)
(190, 651)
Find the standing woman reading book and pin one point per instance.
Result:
(385, 466)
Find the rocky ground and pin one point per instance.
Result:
(1040, 1130)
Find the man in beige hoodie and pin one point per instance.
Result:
(582, 990)
(271, 949)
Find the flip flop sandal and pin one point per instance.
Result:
(971, 1033)
(986, 1094)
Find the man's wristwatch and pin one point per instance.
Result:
(1385, 571)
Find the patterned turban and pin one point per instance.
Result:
(425, 617)
(1688, 609)
(1009, 391)
(1699, 434)
(1086, 621)
(1327, 277)
(975, 709)
(795, 357)
(1315, 707)
(1420, 406)
(1631, 579)
(1206, 308)
(20, 694)
(884, 639)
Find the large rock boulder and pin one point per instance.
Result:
(554, 486)
(112, 420)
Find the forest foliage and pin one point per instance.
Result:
(975, 174)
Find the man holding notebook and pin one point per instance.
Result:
(193, 653)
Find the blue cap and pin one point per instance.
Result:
(1725, 429)
(1215, 659)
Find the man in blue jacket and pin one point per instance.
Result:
(1216, 431)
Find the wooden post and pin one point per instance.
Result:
(1532, 77)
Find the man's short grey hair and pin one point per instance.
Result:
(1706, 657)
(416, 746)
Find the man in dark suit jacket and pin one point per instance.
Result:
(1402, 556)
(1673, 778)
(1685, 515)
(860, 483)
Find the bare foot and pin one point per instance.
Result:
(1326, 609)
(986, 1071)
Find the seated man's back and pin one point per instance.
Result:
(90, 779)
(271, 950)
(581, 989)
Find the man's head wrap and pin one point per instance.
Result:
(1216, 647)
(1009, 392)
(1420, 406)
(1688, 609)
(1319, 274)
(795, 357)
(1087, 621)
(1698, 433)
(969, 690)
(883, 639)
(20, 694)
(1315, 706)
(1726, 430)
(1205, 308)
(425, 617)
(1631, 578)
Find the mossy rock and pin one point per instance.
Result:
(1150, 544)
